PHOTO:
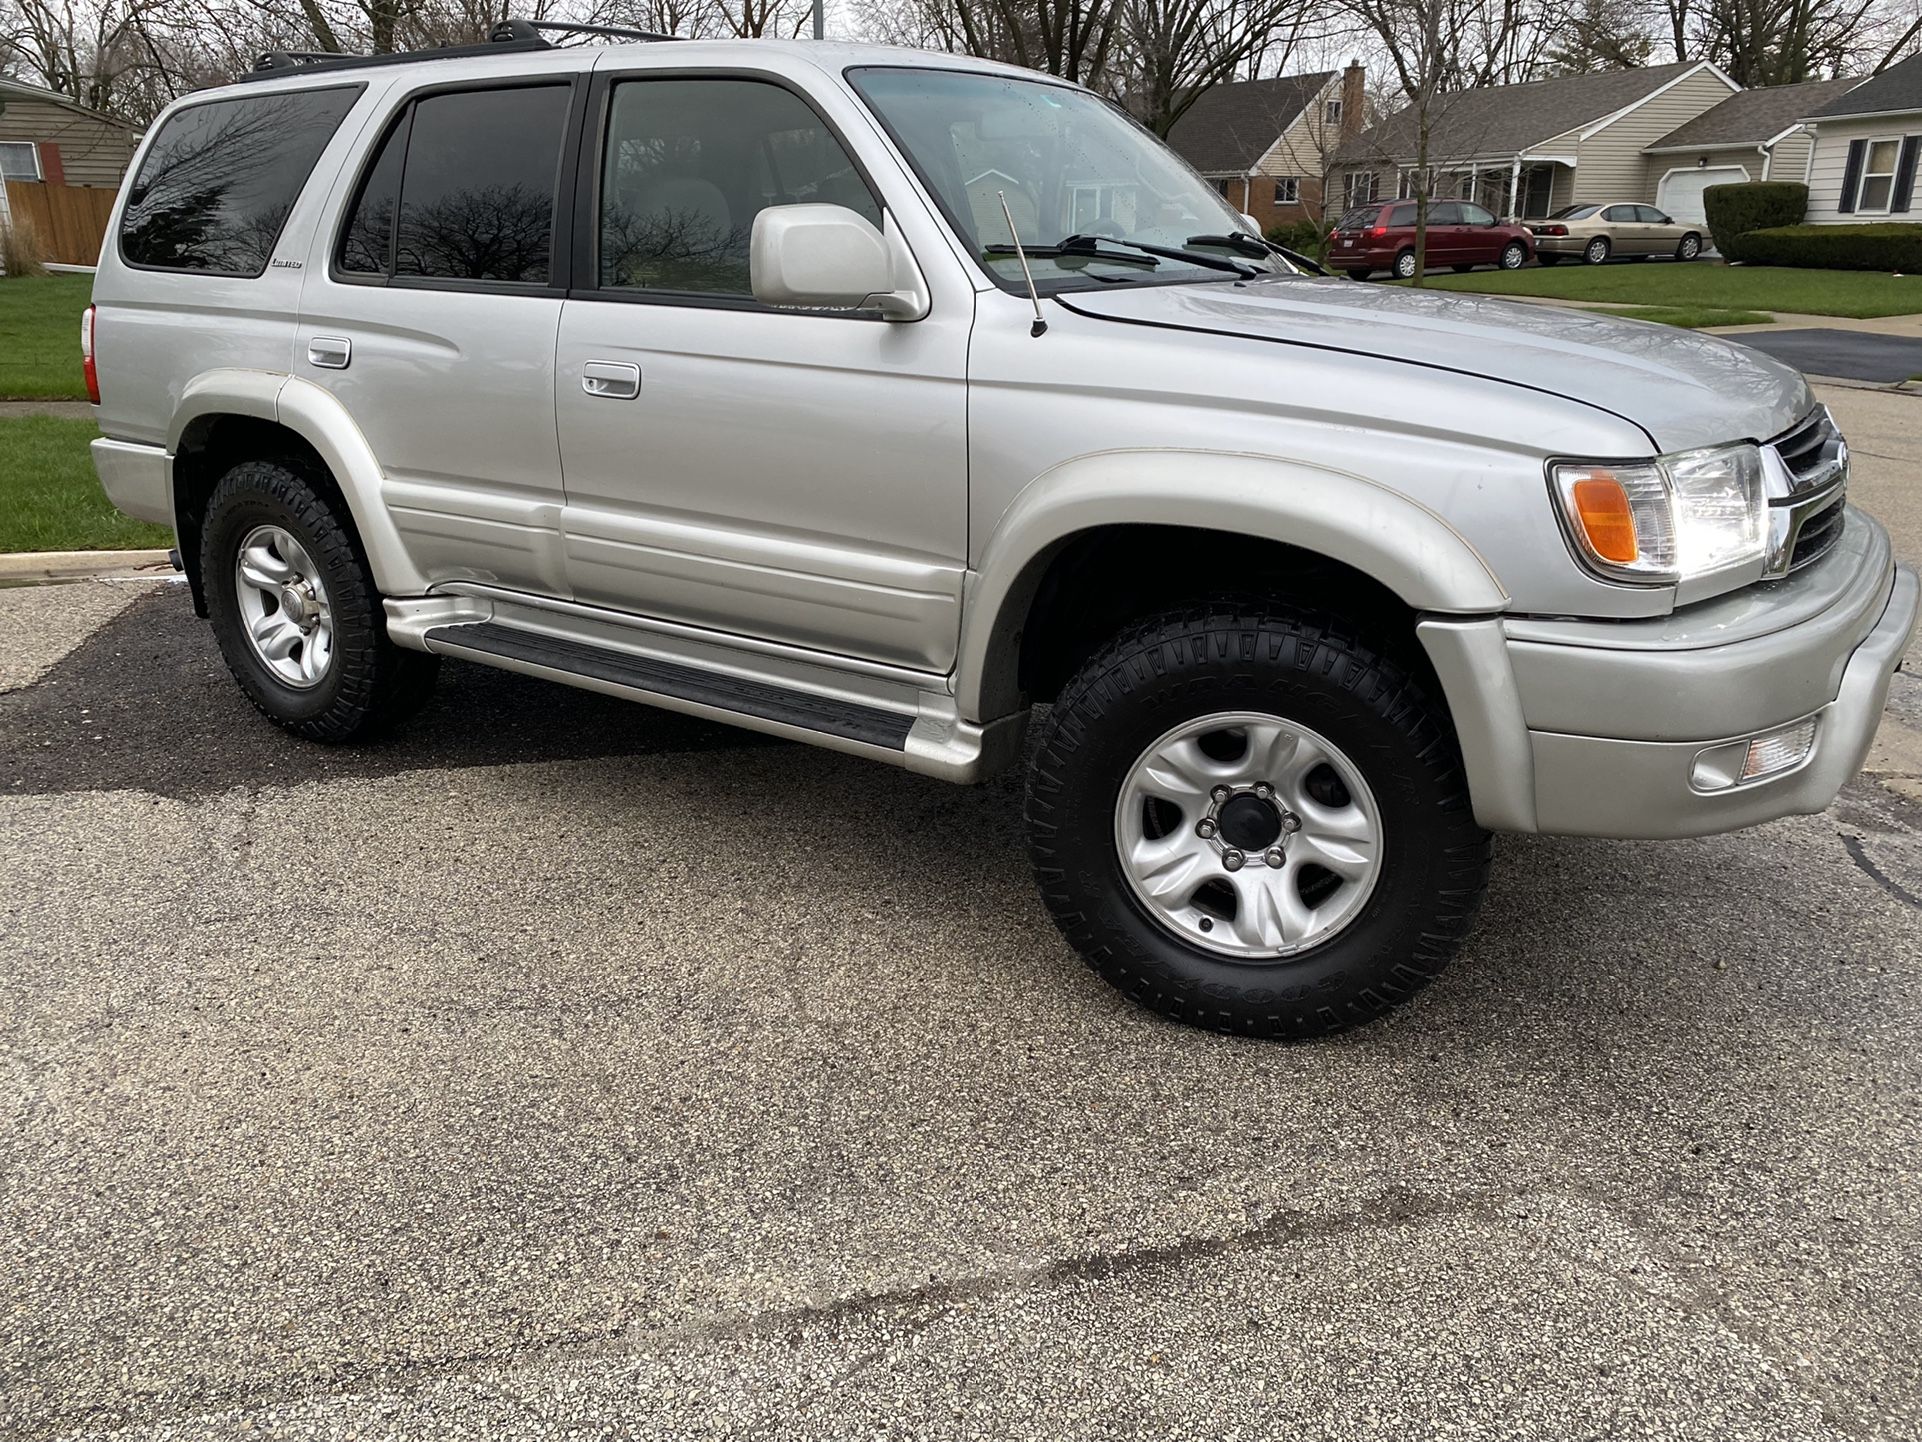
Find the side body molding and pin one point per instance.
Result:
(312, 413)
(1345, 517)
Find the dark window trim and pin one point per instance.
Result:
(561, 252)
(587, 210)
(358, 89)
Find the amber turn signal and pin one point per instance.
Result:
(1602, 507)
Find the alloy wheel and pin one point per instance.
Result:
(284, 609)
(1248, 835)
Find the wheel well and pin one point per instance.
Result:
(211, 446)
(1102, 581)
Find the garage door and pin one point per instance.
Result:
(1680, 194)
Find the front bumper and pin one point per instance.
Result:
(1594, 728)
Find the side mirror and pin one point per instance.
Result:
(826, 257)
(1250, 224)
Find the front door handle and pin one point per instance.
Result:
(611, 380)
(330, 352)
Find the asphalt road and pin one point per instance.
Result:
(1851, 354)
(571, 1069)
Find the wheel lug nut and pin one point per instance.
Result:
(1264, 790)
(1232, 860)
(1221, 794)
(1291, 822)
(1205, 828)
(1274, 857)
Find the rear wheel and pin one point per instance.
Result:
(295, 610)
(1548, 257)
(1405, 265)
(1690, 247)
(1249, 820)
(1514, 255)
(1596, 251)
(1461, 269)
(1359, 274)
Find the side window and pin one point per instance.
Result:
(1649, 215)
(1401, 216)
(463, 189)
(688, 164)
(1475, 215)
(1446, 212)
(219, 180)
(1619, 214)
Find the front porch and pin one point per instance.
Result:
(1522, 187)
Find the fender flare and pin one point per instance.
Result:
(1345, 517)
(317, 417)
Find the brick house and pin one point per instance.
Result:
(1267, 144)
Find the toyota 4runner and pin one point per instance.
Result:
(870, 398)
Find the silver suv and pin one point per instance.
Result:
(869, 398)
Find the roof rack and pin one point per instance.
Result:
(507, 37)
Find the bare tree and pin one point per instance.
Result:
(1171, 52)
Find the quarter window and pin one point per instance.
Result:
(463, 189)
(688, 164)
(19, 160)
(219, 180)
(1878, 174)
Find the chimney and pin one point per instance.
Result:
(1354, 99)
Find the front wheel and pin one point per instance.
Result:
(1405, 265)
(1251, 821)
(295, 610)
(1514, 255)
(1690, 247)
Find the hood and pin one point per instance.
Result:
(1681, 388)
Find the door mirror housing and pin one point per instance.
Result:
(826, 257)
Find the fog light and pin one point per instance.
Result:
(1736, 763)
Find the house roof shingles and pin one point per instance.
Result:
(23, 91)
(1230, 127)
(1897, 88)
(1509, 119)
(1749, 117)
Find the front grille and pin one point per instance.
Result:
(1812, 450)
(1819, 532)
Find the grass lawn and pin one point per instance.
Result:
(40, 337)
(50, 499)
(1687, 317)
(1704, 283)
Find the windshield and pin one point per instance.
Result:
(1068, 164)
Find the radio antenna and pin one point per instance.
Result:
(1040, 326)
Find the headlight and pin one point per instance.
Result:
(1666, 520)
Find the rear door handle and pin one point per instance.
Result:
(330, 352)
(611, 380)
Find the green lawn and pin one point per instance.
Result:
(50, 499)
(1704, 283)
(1687, 317)
(40, 337)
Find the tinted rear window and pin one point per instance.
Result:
(218, 181)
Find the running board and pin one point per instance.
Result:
(490, 640)
(883, 713)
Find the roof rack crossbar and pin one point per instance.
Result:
(509, 35)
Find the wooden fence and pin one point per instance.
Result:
(68, 220)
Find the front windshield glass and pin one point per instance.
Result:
(1069, 165)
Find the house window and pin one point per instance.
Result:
(19, 160)
(1878, 174)
(1288, 190)
(1363, 186)
(1331, 112)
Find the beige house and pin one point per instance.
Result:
(1267, 145)
(47, 138)
(1525, 151)
(1757, 134)
(1862, 162)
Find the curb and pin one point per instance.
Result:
(32, 566)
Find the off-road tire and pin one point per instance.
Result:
(1316, 672)
(371, 684)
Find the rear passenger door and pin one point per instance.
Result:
(1444, 233)
(432, 316)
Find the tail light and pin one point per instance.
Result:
(1551, 230)
(86, 356)
(1379, 230)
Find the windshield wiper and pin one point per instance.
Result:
(1193, 257)
(1242, 244)
(1082, 246)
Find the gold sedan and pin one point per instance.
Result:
(1598, 232)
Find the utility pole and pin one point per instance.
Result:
(820, 19)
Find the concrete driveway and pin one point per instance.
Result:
(571, 1069)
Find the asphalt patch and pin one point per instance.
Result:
(146, 704)
(1850, 354)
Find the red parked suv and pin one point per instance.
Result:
(1381, 236)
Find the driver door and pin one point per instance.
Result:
(790, 476)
